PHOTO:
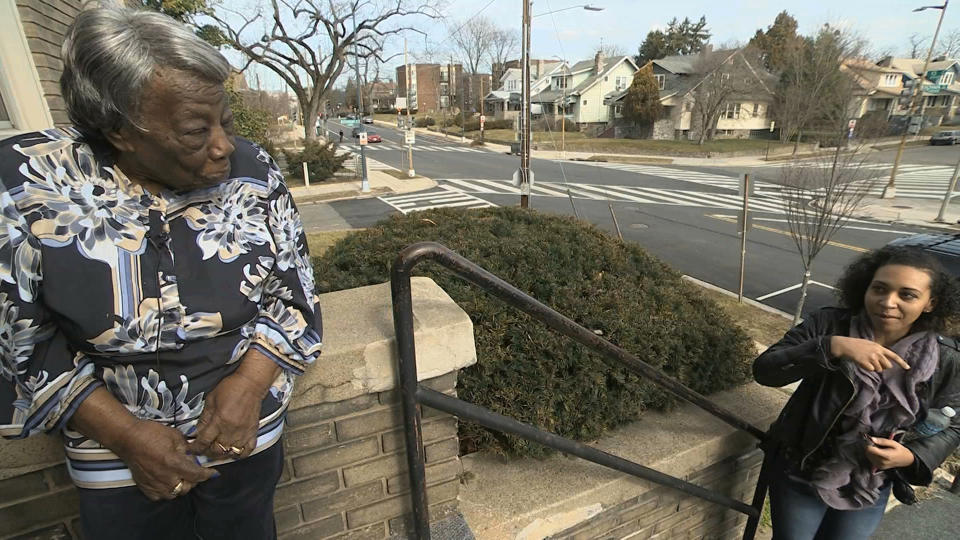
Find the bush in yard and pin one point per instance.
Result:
(424, 121)
(525, 370)
(321, 158)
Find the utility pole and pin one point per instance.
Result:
(951, 187)
(524, 172)
(364, 180)
(463, 121)
(890, 190)
(409, 132)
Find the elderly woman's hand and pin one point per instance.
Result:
(157, 457)
(231, 412)
(868, 355)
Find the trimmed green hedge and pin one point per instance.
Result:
(525, 370)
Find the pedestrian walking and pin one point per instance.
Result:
(874, 375)
(341, 135)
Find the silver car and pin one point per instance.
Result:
(946, 137)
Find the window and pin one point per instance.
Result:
(732, 111)
(444, 89)
(724, 76)
(891, 79)
(444, 102)
(930, 101)
(444, 74)
(660, 80)
(512, 85)
(622, 83)
(756, 110)
(584, 102)
(946, 78)
(561, 82)
(618, 111)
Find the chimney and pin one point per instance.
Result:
(598, 62)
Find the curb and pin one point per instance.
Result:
(748, 301)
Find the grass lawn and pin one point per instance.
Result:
(319, 242)
(576, 141)
(764, 327)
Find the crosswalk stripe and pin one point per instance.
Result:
(608, 191)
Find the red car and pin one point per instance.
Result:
(373, 137)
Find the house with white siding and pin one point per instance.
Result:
(578, 92)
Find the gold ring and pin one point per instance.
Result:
(223, 448)
(236, 451)
(177, 489)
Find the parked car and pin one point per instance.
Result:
(373, 137)
(946, 137)
(367, 119)
(945, 247)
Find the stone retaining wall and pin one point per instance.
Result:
(666, 513)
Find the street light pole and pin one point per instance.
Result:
(525, 111)
(364, 180)
(890, 191)
(525, 175)
(409, 131)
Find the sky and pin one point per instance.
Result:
(576, 34)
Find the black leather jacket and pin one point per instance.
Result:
(828, 387)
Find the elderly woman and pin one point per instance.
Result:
(156, 295)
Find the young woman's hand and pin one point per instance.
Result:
(867, 354)
(888, 454)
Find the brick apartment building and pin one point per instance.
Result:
(433, 87)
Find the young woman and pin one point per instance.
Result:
(869, 371)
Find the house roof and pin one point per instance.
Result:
(683, 64)
(549, 96)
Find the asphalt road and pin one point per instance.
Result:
(683, 215)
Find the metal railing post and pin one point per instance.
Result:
(403, 326)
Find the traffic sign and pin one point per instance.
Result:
(409, 137)
(483, 119)
(363, 138)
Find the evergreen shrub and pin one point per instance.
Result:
(322, 160)
(424, 121)
(525, 370)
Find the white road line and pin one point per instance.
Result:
(611, 193)
(790, 288)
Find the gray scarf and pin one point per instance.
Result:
(884, 401)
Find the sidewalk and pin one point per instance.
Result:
(381, 183)
(920, 212)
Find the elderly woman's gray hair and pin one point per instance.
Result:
(109, 55)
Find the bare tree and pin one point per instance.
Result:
(815, 84)
(725, 75)
(474, 41)
(308, 42)
(916, 45)
(820, 197)
(506, 44)
(950, 43)
(612, 50)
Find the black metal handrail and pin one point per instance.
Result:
(411, 393)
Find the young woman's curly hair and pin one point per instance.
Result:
(944, 287)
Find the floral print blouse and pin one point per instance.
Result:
(155, 297)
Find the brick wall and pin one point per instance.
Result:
(344, 475)
(667, 513)
(345, 471)
(44, 23)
